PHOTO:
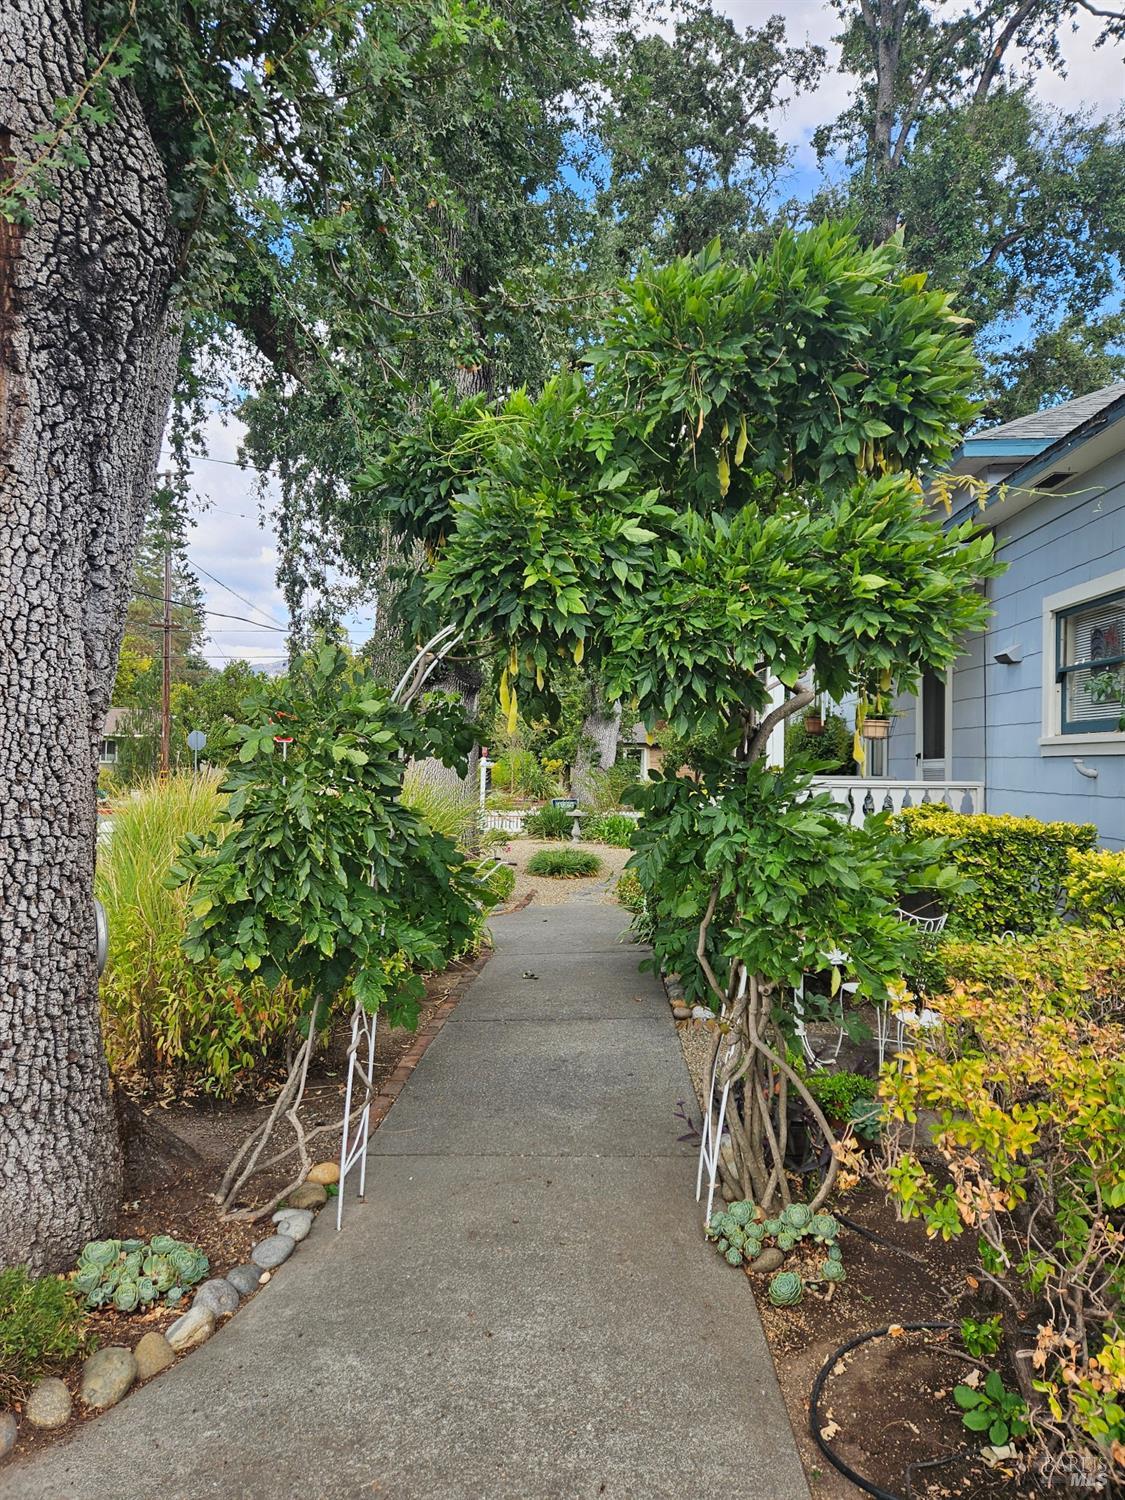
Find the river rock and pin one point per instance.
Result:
(769, 1260)
(106, 1376)
(49, 1404)
(308, 1195)
(324, 1172)
(295, 1222)
(194, 1328)
(7, 1433)
(681, 1012)
(244, 1279)
(271, 1252)
(153, 1354)
(219, 1295)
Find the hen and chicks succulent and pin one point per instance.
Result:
(741, 1233)
(132, 1273)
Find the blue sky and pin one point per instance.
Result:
(233, 544)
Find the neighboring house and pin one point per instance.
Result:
(1032, 709)
(114, 729)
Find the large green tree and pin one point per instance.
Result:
(1017, 208)
(731, 501)
(165, 167)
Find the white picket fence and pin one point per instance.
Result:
(864, 796)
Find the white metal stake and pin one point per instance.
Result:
(353, 1143)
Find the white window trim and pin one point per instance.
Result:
(1052, 741)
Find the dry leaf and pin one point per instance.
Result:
(896, 1330)
(830, 1431)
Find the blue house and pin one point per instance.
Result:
(1029, 719)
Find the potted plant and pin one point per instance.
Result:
(814, 719)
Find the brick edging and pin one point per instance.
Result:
(393, 1087)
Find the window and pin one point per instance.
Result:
(933, 716)
(1090, 664)
(107, 755)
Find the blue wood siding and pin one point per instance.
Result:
(1059, 541)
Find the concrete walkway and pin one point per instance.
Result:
(523, 1309)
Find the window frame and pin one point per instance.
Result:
(1100, 735)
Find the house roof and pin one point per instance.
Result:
(1021, 466)
(114, 722)
(1055, 421)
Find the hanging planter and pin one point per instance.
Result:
(814, 722)
(876, 729)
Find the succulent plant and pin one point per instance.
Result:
(752, 1248)
(833, 1270)
(734, 1257)
(126, 1296)
(835, 1253)
(773, 1228)
(715, 1226)
(786, 1289)
(786, 1241)
(823, 1227)
(797, 1216)
(737, 1239)
(131, 1274)
(101, 1252)
(741, 1212)
(755, 1231)
(724, 1245)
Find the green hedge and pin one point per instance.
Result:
(1069, 970)
(1095, 887)
(1017, 867)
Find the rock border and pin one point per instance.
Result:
(217, 1299)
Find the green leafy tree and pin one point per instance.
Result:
(317, 872)
(732, 500)
(194, 158)
(1015, 207)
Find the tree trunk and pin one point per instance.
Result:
(88, 348)
(597, 747)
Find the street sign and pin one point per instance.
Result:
(196, 741)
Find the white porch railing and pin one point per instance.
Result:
(863, 795)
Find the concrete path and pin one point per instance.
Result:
(523, 1309)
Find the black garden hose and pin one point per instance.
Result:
(818, 1389)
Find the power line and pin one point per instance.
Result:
(218, 613)
(236, 594)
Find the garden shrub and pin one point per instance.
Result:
(831, 748)
(500, 881)
(1072, 970)
(1017, 866)
(616, 829)
(608, 787)
(549, 823)
(837, 1092)
(1095, 887)
(42, 1326)
(163, 1013)
(628, 891)
(1027, 1080)
(567, 864)
(443, 808)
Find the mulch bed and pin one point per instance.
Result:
(178, 1148)
(888, 1405)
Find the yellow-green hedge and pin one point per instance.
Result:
(1018, 866)
(1066, 971)
(1095, 887)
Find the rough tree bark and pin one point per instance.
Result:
(88, 348)
(597, 746)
